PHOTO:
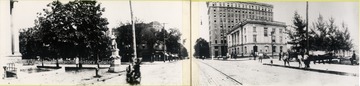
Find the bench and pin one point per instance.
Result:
(10, 71)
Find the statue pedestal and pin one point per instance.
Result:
(116, 61)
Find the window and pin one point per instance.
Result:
(274, 38)
(266, 49)
(281, 41)
(254, 36)
(245, 50)
(214, 20)
(273, 30)
(280, 30)
(245, 39)
(216, 47)
(215, 41)
(265, 32)
(274, 49)
(254, 29)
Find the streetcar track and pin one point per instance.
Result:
(223, 73)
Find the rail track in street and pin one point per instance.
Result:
(213, 75)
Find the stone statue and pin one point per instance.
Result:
(115, 57)
(113, 42)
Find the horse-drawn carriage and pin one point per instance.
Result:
(315, 56)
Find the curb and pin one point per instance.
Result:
(315, 70)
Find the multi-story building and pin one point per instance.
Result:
(257, 36)
(224, 16)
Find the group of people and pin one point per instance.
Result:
(261, 56)
(299, 57)
(284, 56)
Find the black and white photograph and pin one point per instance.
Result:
(95, 42)
(179, 43)
(276, 43)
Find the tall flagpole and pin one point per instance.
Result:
(133, 32)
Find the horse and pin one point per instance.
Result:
(292, 55)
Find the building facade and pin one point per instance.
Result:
(224, 16)
(257, 36)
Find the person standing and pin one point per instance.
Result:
(253, 54)
(280, 55)
(261, 56)
(353, 58)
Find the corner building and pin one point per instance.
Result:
(225, 16)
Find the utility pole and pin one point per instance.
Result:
(307, 27)
(133, 32)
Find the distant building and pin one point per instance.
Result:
(256, 36)
(156, 25)
(225, 16)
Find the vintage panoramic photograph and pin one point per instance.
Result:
(94, 42)
(179, 43)
(276, 43)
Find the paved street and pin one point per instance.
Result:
(156, 73)
(250, 73)
(204, 73)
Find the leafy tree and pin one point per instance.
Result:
(298, 35)
(172, 41)
(145, 37)
(346, 40)
(74, 29)
(183, 52)
(329, 37)
(30, 43)
(202, 48)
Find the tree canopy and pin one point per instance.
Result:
(73, 29)
(323, 36)
(202, 48)
(148, 38)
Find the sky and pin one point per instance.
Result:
(176, 14)
(116, 11)
(347, 12)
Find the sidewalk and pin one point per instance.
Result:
(352, 70)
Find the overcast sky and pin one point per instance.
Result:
(347, 12)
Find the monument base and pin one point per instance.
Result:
(115, 65)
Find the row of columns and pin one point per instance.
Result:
(235, 38)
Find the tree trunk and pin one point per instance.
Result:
(42, 61)
(97, 61)
(80, 64)
(98, 66)
(57, 60)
